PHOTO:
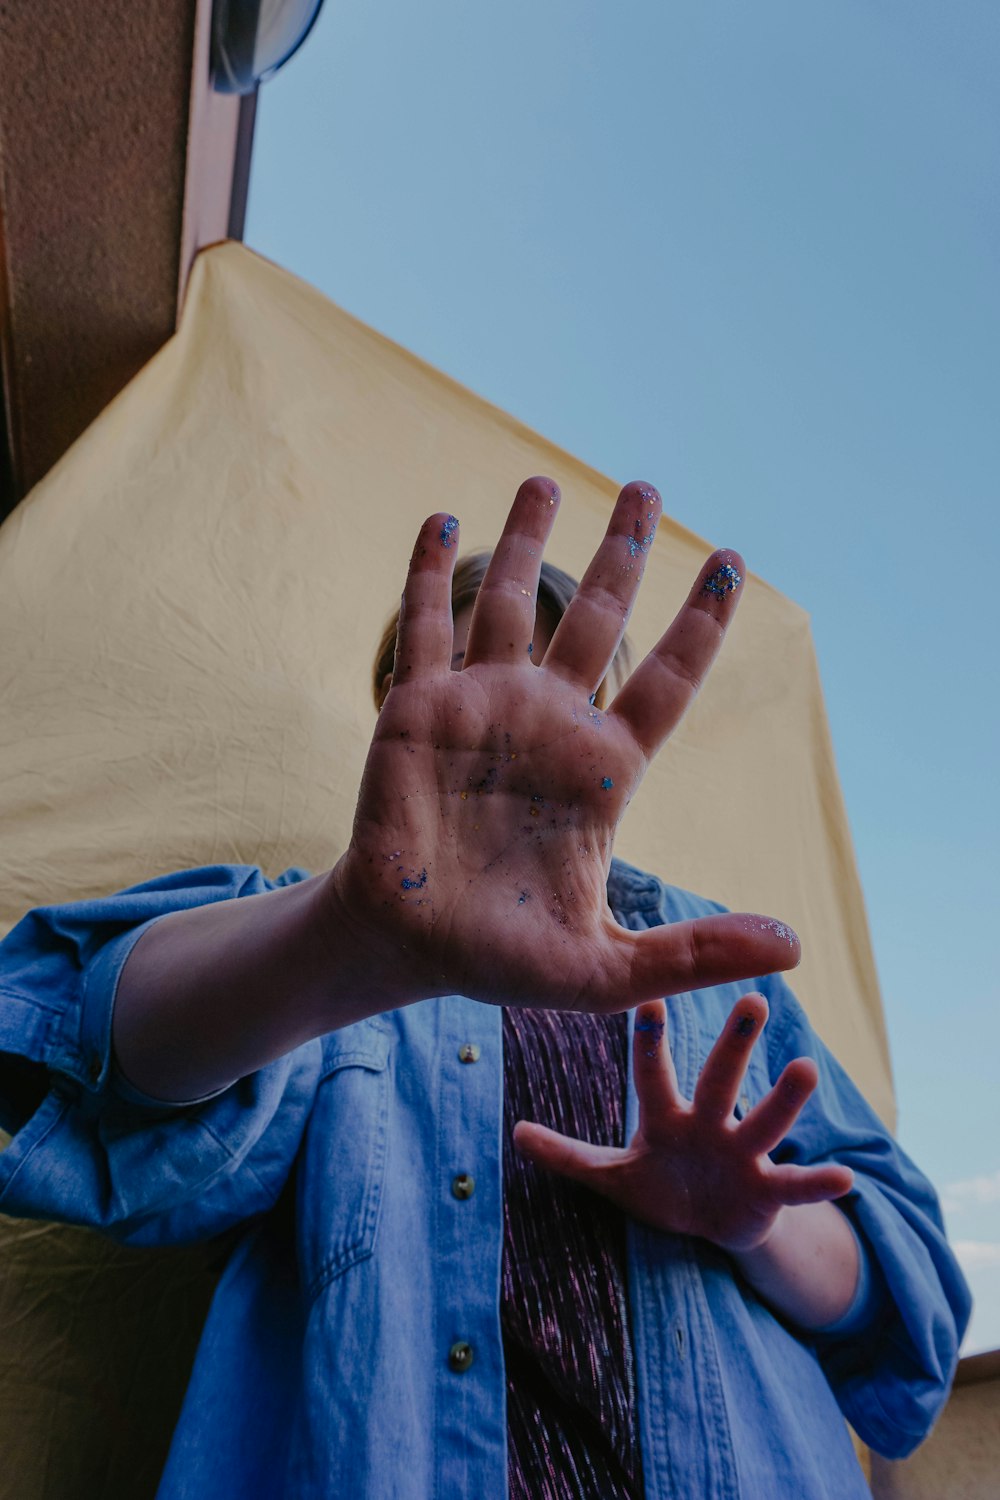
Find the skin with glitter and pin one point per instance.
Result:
(607, 783)
(652, 1031)
(780, 931)
(448, 529)
(641, 543)
(725, 580)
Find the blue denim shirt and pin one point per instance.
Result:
(323, 1370)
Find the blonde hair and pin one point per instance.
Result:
(555, 590)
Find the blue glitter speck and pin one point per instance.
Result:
(725, 580)
(448, 531)
(414, 885)
(607, 783)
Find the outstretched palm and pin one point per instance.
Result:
(491, 796)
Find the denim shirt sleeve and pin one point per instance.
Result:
(891, 1359)
(87, 1147)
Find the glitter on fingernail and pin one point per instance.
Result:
(779, 929)
(448, 531)
(607, 783)
(725, 580)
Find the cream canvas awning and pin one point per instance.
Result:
(191, 598)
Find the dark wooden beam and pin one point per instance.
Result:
(117, 163)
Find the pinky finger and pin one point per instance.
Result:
(796, 1185)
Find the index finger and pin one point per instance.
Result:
(664, 685)
(653, 1066)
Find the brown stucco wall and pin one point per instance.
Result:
(961, 1458)
(94, 105)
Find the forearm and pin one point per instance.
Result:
(808, 1268)
(214, 993)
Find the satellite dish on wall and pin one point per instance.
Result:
(252, 39)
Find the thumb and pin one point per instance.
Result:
(563, 1155)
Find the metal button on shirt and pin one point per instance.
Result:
(468, 1052)
(460, 1356)
(463, 1186)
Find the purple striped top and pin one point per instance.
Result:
(571, 1408)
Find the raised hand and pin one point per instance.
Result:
(491, 795)
(482, 836)
(692, 1168)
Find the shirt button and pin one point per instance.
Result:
(464, 1185)
(468, 1052)
(460, 1357)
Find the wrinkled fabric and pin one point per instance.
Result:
(324, 1366)
(190, 598)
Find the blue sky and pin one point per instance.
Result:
(750, 253)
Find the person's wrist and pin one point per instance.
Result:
(752, 1251)
(377, 966)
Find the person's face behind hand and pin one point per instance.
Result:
(545, 629)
